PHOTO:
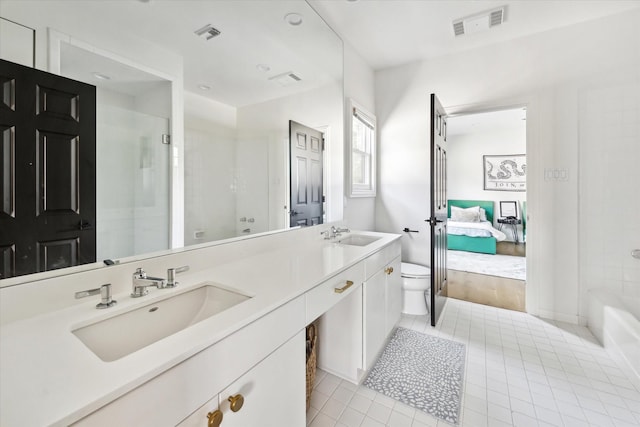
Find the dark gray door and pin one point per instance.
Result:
(47, 184)
(438, 219)
(305, 161)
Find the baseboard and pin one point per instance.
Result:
(560, 317)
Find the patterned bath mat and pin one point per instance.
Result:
(422, 371)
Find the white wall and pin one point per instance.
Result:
(210, 157)
(264, 133)
(359, 85)
(609, 195)
(465, 162)
(545, 72)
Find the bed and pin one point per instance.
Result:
(480, 244)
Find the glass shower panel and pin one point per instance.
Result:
(132, 183)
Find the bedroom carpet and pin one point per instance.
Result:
(422, 371)
(512, 267)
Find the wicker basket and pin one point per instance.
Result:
(312, 339)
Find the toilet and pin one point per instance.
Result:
(416, 288)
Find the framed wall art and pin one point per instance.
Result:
(508, 209)
(507, 172)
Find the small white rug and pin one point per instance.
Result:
(512, 267)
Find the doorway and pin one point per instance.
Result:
(487, 168)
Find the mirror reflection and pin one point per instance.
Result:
(193, 108)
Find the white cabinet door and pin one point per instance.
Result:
(393, 295)
(374, 316)
(274, 391)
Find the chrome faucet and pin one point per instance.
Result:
(171, 275)
(105, 294)
(338, 231)
(334, 232)
(141, 282)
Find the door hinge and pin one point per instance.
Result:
(166, 139)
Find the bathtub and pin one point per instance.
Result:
(615, 321)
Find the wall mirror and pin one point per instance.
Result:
(193, 107)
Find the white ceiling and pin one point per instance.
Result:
(385, 32)
(388, 33)
(487, 122)
(80, 64)
(252, 33)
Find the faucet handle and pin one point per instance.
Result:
(171, 275)
(105, 294)
(139, 273)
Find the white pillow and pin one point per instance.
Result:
(471, 214)
(483, 215)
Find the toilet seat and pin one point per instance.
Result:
(414, 271)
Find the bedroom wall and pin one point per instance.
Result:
(546, 72)
(470, 138)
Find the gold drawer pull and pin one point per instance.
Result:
(388, 270)
(236, 402)
(215, 418)
(344, 288)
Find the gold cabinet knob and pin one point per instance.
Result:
(388, 270)
(236, 402)
(215, 418)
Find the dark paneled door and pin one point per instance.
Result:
(48, 179)
(305, 161)
(438, 219)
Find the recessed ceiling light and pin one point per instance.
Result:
(204, 87)
(263, 67)
(294, 19)
(101, 76)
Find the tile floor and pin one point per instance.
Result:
(520, 371)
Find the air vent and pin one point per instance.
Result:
(496, 17)
(286, 79)
(458, 28)
(479, 22)
(208, 32)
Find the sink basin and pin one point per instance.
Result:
(121, 335)
(358, 240)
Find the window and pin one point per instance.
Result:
(362, 153)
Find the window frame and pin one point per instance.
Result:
(357, 112)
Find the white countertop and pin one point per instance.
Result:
(48, 376)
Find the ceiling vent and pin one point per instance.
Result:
(208, 32)
(286, 79)
(479, 22)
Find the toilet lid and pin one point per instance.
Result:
(414, 270)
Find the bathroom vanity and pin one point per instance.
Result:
(240, 360)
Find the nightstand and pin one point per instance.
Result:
(513, 225)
